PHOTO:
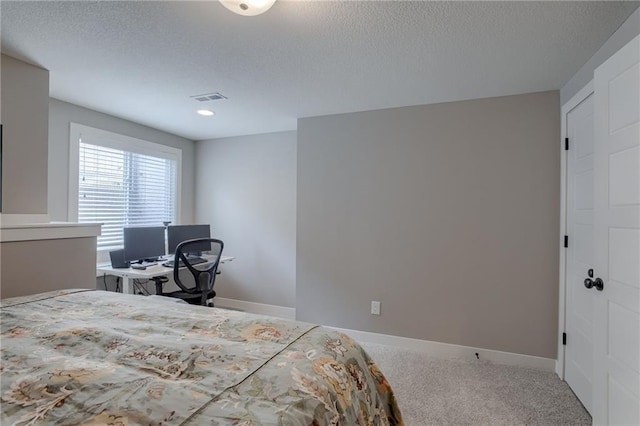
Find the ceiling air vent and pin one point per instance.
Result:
(215, 96)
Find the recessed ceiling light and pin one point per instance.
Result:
(205, 112)
(248, 7)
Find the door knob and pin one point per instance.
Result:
(598, 284)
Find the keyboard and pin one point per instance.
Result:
(192, 261)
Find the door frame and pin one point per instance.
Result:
(579, 97)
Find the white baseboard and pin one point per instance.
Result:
(446, 350)
(436, 349)
(256, 308)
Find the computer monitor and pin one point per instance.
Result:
(143, 243)
(179, 233)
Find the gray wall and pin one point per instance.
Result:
(62, 113)
(627, 31)
(246, 190)
(448, 214)
(24, 106)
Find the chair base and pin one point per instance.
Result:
(190, 298)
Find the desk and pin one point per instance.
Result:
(158, 270)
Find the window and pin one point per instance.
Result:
(121, 181)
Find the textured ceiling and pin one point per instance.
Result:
(142, 60)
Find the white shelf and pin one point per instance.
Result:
(10, 232)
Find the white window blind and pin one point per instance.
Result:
(120, 188)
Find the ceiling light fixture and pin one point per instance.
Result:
(248, 7)
(205, 112)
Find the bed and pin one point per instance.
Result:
(94, 357)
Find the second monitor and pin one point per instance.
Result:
(143, 243)
(179, 233)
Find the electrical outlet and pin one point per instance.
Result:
(375, 307)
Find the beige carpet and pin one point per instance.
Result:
(433, 391)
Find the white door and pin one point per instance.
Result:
(616, 372)
(579, 299)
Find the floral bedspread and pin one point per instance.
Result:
(93, 357)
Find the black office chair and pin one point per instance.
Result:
(204, 274)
